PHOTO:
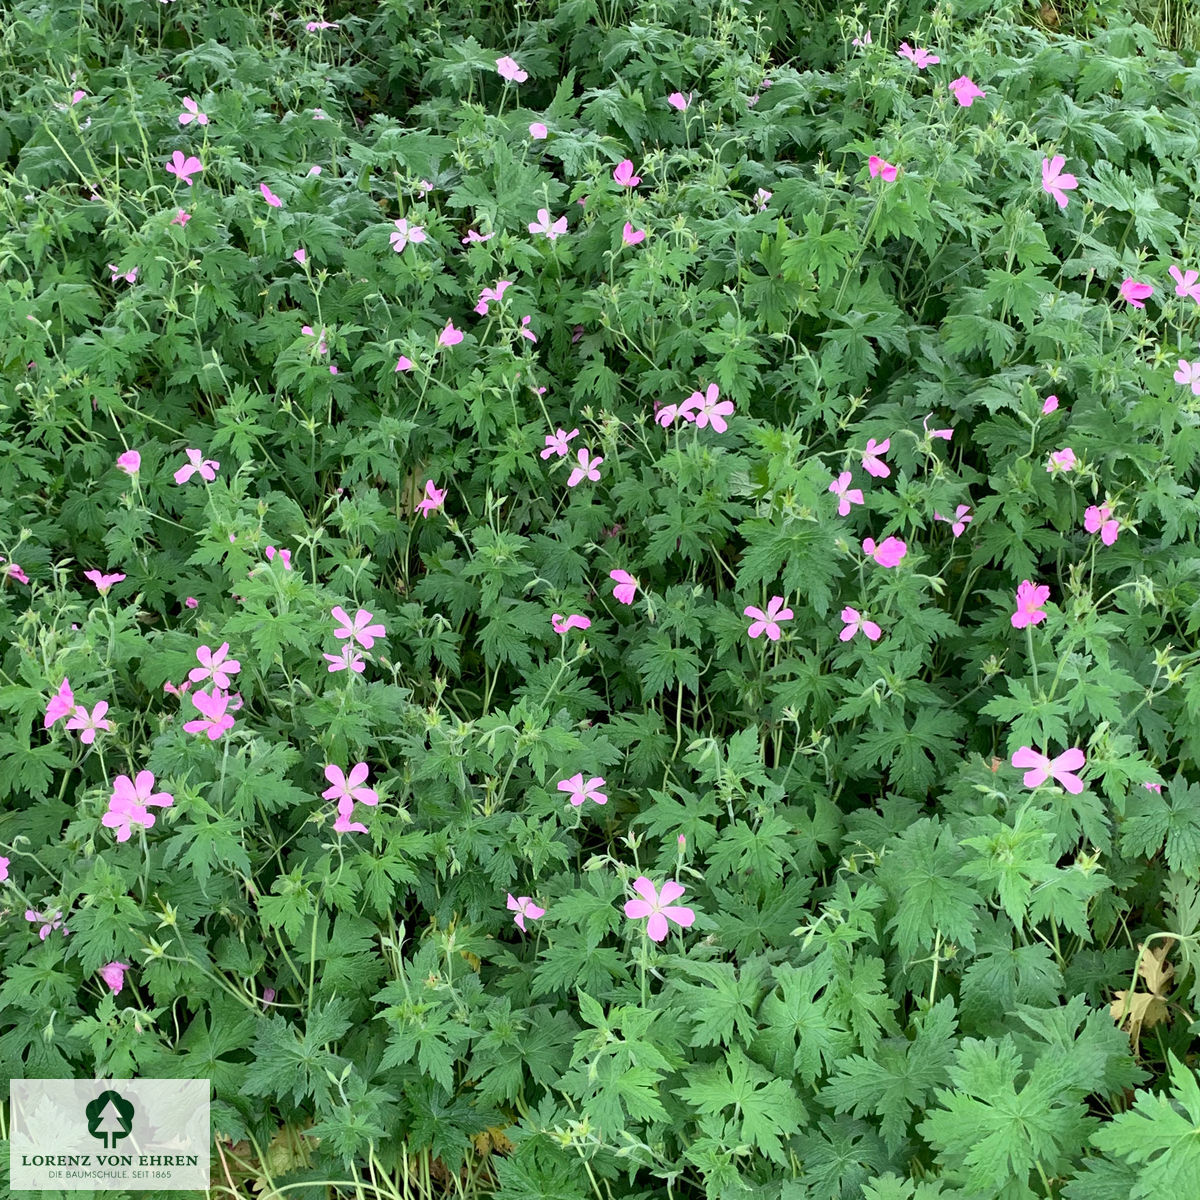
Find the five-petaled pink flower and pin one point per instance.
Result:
(197, 462)
(626, 586)
(215, 666)
(1061, 460)
(128, 804)
(113, 974)
(215, 719)
(509, 69)
(61, 704)
(349, 788)
(1040, 767)
(349, 659)
(450, 336)
(544, 225)
(1135, 292)
(871, 461)
(658, 907)
(406, 233)
(184, 167)
(103, 582)
(181, 218)
(524, 907)
(556, 443)
(435, 498)
(91, 723)
(589, 468)
(1187, 283)
(623, 174)
(880, 166)
(1189, 375)
(574, 621)
(922, 58)
(474, 236)
(888, 553)
(490, 294)
(708, 411)
(959, 521)
(855, 621)
(193, 113)
(678, 101)
(581, 791)
(130, 462)
(767, 622)
(1099, 519)
(846, 495)
(269, 196)
(1030, 600)
(965, 91)
(631, 236)
(359, 629)
(1054, 182)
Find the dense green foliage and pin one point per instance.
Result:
(913, 969)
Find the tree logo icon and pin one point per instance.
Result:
(109, 1118)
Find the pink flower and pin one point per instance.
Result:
(880, 166)
(543, 225)
(1100, 519)
(888, 553)
(872, 463)
(490, 294)
(589, 468)
(90, 724)
(215, 719)
(1187, 283)
(61, 704)
(348, 659)
(666, 413)
(127, 806)
(1189, 375)
(184, 167)
(434, 499)
(1054, 183)
(922, 58)
(404, 363)
(130, 462)
(191, 602)
(449, 336)
(627, 585)
(846, 495)
(761, 197)
(556, 443)
(526, 332)
(538, 131)
(631, 236)
(708, 411)
(1050, 404)
(322, 344)
(959, 521)
(865, 40)
(360, 629)
(193, 113)
(285, 556)
(4, 867)
(472, 236)
(524, 907)
(623, 174)
(197, 462)
(140, 790)
(1061, 460)
(658, 907)
(103, 582)
(314, 170)
(574, 621)
(767, 622)
(405, 234)
(349, 788)
(1030, 599)
(269, 196)
(678, 101)
(1153, 787)
(215, 667)
(301, 255)
(181, 218)
(1135, 292)
(52, 921)
(581, 791)
(14, 569)
(317, 26)
(510, 70)
(855, 621)
(76, 96)
(113, 974)
(965, 91)
(117, 273)
(1039, 767)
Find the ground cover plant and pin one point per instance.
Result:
(598, 598)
